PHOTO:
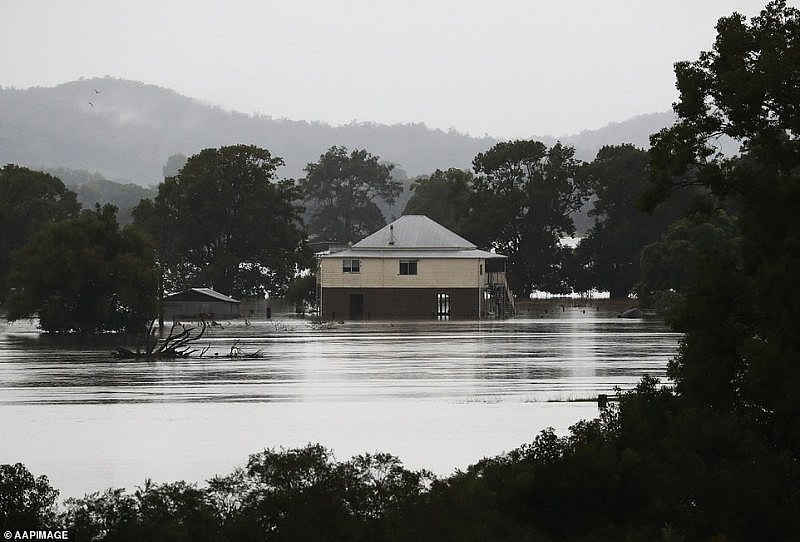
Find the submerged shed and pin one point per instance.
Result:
(200, 303)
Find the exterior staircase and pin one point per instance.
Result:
(501, 301)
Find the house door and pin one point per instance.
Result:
(442, 306)
(356, 306)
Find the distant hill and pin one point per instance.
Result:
(635, 130)
(93, 188)
(126, 131)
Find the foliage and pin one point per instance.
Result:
(225, 222)
(525, 197)
(85, 275)
(26, 502)
(609, 253)
(670, 264)
(176, 511)
(295, 494)
(445, 197)
(741, 349)
(302, 291)
(649, 470)
(28, 200)
(347, 500)
(343, 189)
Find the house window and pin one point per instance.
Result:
(351, 266)
(408, 267)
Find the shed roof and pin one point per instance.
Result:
(204, 292)
(414, 232)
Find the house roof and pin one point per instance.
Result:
(187, 295)
(412, 253)
(414, 232)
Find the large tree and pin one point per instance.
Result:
(28, 200)
(526, 194)
(85, 275)
(226, 222)
(343, 189)
(609, 253)
(742, 347)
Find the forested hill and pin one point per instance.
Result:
(126, 130)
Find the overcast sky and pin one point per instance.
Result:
(502, 67)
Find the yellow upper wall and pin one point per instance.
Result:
(385, 273)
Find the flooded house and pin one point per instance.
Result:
(414, 268)
(200, 303)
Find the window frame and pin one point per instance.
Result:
(352, 267)
(411, 265)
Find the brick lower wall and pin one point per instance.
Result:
(399, 303)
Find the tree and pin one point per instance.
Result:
(343, 189)
(28, 200)
(525, 198)
(26, 502)
(225, 221)
(444, 196)
(302, 291)
(85, 275)
(741, 350)
(617, 177)
(669, 266)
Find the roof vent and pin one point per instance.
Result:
(391, 234)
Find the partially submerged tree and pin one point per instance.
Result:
(670, 266)
(85, 275)
(609, 253)
(343, 189)
(225, 221)
(526, 194)
(28, 200)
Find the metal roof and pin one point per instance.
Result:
(207, 292)
(414, 232)
(411, 254)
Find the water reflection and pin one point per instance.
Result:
(570, 355)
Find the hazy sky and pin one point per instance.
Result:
(503, 67)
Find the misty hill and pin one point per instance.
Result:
(126, 130)
(635, 130)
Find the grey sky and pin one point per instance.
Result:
(506, 68)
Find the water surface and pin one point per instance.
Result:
(440, 395)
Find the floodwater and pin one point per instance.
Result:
(440, 395)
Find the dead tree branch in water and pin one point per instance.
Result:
(237, 352)
(177, 343)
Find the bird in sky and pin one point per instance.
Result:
(90, 103)
(96, 91)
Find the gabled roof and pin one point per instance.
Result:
(188, 295)
(414, 232)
